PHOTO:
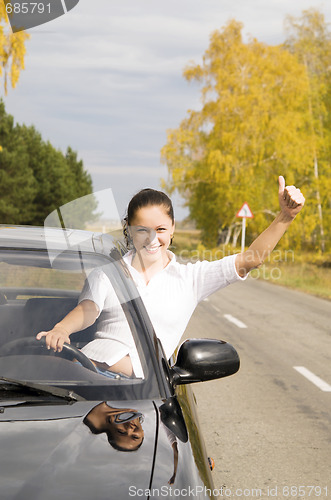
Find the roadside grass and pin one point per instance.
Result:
(29, 277)
(186, 239)
(304, 276)
(309, 272)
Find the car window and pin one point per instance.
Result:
(36, 292)
(36, 280)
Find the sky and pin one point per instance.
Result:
(106, 79)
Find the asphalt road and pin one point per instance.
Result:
(268, 427)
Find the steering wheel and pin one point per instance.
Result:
(32, 342)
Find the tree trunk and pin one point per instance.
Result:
(236, 233)
(319, 206)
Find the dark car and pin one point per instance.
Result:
(67, 431)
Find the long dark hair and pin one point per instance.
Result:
(144, 198)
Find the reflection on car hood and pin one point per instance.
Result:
(49, 453)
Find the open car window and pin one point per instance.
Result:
(38, 288)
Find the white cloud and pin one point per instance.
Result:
(124, 170)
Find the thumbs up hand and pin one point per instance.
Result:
(291, 200)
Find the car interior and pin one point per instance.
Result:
(25, 318)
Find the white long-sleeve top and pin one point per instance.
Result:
(170, 298)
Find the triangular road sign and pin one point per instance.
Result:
(245, 211)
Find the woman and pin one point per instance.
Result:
(170, 290)
(122, 426)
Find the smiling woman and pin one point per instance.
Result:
(170, 290)
(122, 426)
(150, 224)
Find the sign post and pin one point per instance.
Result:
(245, 213)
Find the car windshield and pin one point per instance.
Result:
(40, 284)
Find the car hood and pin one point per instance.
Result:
(48, 452)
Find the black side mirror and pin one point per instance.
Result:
(172, 417)
(204, 359)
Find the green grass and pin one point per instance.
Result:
(305, 276)
(29, 277)
(186, 240)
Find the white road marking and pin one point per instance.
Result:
(230, 318)
(235, 321)
(321, 384)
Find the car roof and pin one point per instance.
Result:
(46, 238)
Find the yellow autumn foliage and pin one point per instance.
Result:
(254, 124)
(12, 50)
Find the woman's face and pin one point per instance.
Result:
(151, 230)
(128, 435)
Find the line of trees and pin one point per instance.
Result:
(266, 110)
(35, 177)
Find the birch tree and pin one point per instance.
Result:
(12, 50)
(251, 127)
(310, 39)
